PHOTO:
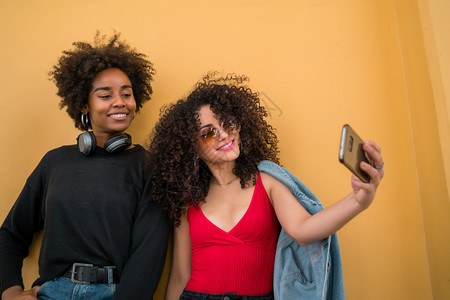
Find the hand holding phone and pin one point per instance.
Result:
(351, 152)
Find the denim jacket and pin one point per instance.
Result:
(311, 272)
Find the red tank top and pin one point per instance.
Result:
(239, 261)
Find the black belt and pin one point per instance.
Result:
(87, 273)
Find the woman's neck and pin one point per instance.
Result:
(223, 182)
(223, 174)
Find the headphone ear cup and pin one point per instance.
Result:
(118, 143)
(86, 142)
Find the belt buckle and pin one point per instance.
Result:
(74, 266)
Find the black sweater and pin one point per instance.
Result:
(93, 209)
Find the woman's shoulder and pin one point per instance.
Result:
(61, 151)
(268, 180)
(268, 170)
(274, 176)
(73, 149)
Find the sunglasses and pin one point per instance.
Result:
(209, 134)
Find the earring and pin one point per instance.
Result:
(196, 161)
(84, 120)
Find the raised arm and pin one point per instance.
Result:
(181, 261)
(306, 228)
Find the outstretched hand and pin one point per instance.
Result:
(365, 192)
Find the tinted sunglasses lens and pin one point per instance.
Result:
(229, 126)
(207, 135)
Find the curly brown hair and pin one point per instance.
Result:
(76, 70)
(177, 176)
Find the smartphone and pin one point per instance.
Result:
(351, 153)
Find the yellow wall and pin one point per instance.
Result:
(382, 66)
(427, 80)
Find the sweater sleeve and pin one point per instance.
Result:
(16, 234)
(143, 269)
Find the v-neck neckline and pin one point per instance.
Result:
(240, 220)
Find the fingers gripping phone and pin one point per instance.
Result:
(351, 153)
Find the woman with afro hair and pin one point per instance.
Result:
(103, 236)
(215, 171)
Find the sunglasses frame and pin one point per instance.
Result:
(208, 139)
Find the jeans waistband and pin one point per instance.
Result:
(189, 295)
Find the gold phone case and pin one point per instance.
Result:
(351, 152)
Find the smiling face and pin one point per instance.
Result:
(224, 148)
(111, 104)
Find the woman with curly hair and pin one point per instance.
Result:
(216, 174)
(101, 231)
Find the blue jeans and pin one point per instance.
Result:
(63, 288)
(188, 295)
